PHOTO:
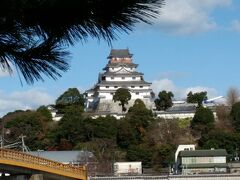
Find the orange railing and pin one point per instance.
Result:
(21, 159)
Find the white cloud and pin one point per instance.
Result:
(179, 92)
(188, 16)
(235, 25)
(23, 100)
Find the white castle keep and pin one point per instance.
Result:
(120, 72)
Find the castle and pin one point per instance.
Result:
(120, 72)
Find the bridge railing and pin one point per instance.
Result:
(39, 161)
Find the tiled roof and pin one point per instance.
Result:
(184, 107)
(120, 53)
(121, 74)
(131, 90)
(119, 64)
(120, 83)
(63, 156)
(203, 153)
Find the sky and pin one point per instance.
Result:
(194, 45)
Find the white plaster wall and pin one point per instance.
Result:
(183, 147)
(115, 69)
(219, 159)
(140, 95)
(109, 96)
(175, 115)
(141, 88)
(53, 114)
(137, 78)
(129, 87)
(105, 95)
(58, 118)
(109, 87)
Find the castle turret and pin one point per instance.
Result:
(120, 72)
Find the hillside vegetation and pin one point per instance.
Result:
(140, 136)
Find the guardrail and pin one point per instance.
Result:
(21, 159)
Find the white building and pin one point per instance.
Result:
(54, 112)
(127, 168)
(191, 161)
(120, 72)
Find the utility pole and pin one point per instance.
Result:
(24, 147)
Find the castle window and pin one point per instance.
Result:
(141, 86)
(107, 86)
(123, 77)
(103, 78)
(132, 86)
(133, 77)
(112, 93)
(112, 68)
(115, 86)
(112, 77)
(137, 93)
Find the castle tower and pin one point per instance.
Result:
(120, 72)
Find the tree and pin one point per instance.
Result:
(70, 130)
(221, 140)
(139, 116)
(232, 96)
(203, 121)
(123, 95)
(198, 97)
(32, 124)
(164, 155)
(45, 112)
(125, 134)
(140, 153)
(71, 97)
(33, 33)
(133, 127)
(164, 100)
(223, 119)
(235, 116)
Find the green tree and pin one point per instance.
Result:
(235, 116)
(123, 95)
(198, 97)
(203, 121)
(139, 116)
(221, 140)
(125, 135)
(69, 131)
(45, 112)
(163, 155)
(164, 100)
(105, 127)
(33, 38)
(33, 125)
(140, 153)
(71, 97)
(133, 128)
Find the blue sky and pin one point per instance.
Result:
(193, 45)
